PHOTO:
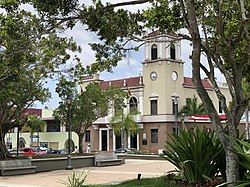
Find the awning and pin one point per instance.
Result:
(206, 117)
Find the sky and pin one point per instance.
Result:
(128, 67)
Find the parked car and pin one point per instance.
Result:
(121, 150)
(32, 151)
(127, 151)
(54, 151)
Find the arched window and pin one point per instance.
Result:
(22, 142)
(154, 52)
(133, 105)
(172, 52)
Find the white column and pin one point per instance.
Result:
(114, 140)
(164, 53)
(147, 51)
(160, 50)
(140, 107)
(179, 50)
(129, 140)
(167, 49)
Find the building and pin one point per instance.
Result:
(158, 94)
(54, 134)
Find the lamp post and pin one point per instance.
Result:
(175, 98)
(68, 102)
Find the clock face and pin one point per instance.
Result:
(174, 75)
(153, 75)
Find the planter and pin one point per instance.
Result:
(50, 164)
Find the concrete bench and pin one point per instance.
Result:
(16, 167)
(107, 159)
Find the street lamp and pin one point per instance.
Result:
(175, 98)
(68, 102)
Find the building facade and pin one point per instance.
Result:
(157, 94)
(54, 134)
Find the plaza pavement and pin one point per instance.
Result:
(97, 175)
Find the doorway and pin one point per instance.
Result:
(104, 140)
(118, 142)
(133, 141)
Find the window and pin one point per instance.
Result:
(220, 107)
(53, 126)
(153, 104)
(154, 135)
(144, 142)
(133, 105)
(154, 52)
(87, 136)
(172, 52)
(174, 107)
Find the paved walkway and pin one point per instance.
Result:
(97, 175)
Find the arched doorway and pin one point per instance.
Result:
(72, 145)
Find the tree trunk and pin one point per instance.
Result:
(4, 153)
(80, 145)
(232, 165)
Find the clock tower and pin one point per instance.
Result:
(162, 72)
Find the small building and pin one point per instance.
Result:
(54, 134)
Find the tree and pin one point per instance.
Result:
(123, 125)
(33, 124)
(192, 107)
(86, 107)
(219, 30)
(34, 52)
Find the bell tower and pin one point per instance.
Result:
(162, 72)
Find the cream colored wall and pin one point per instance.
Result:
(165, 86)
(59, 137)
(46, 113)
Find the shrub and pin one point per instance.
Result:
(242, 149)
(76, 179)
(198, 155)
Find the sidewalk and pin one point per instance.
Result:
(97, 175)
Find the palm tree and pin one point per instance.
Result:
(192, 107)
(33, 124)
(123, 124)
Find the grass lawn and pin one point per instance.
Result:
(147, 182)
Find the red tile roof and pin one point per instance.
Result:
(34, 111)
(135, 81)
(188, 83)
(129, 82)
